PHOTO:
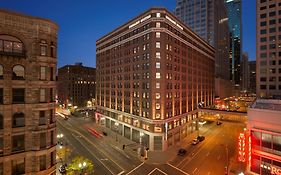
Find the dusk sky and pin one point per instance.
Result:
(82, 22)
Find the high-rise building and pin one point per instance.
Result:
(252, 72)
(264, 141)
(208, 18)
(28, 62)
(268, 48)
(234, 11)
(76, 84)
(152, 73)
(245, 72)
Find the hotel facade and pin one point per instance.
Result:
(27, 102)
(264, 126)
(152, 73)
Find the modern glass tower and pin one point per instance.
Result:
(208, 18)
(235, 29)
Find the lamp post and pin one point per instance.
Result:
(116, 128)
(60, 136)
(82, 166)
(141, 135)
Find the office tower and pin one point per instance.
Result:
(268, 48)
(252, 71)
(234, 11)
(27, 86)
(245, 74)
(264, 142)
(208, 18)
(76, 84)
(152, 73)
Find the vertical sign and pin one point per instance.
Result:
(241, 148)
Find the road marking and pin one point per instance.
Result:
(79, 133)
(104, 159)
(135, 168)
(158, 170)
(194, 170)
(177, 168)
(121, 173)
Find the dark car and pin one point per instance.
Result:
(200, 138)
(62, 169)
(181, 152)
(219, 123)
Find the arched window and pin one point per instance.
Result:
(18, 120)
(18, 72)
(1, 122)
(1, 72)
(10, 44)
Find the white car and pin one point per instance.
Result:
(195, 141)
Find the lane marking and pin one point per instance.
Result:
(135, 168)
(158, 170)
(121, 173)
(194, 170)
(104, 159)
(177, 169)
(84, 137)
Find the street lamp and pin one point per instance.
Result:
(141, 135)
(82, 166)
(116, 127)
(60, 136)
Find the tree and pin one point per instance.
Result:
(63, 153)
(80, 165)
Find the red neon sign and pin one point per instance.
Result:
(275, 170)
(241, 148)
(250, 151)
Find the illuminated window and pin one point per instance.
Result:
(157, 64)
(158, 24)
(167, 46)
(157, 105)
(18, 72)
(157, 34)
(158, 55)
(42, 95)
(158, 15)
(157, 85)
(43, 50)
(1, 72)
(10, 44)
(158, 45)
(144, 47)
(157, 116)
(157, 95)
(157, 75)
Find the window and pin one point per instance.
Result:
(272, 13)
(42, 118)
(42, 140)
(52, 94)
(263, 31)
(43, 73)
(18, 95)
(157, 85)
(262, 86)
(1, 96)
(272, 30)
(51, 73)
(18, 143)
(271, 22)
(263, 55)
(272, 46)
(18, 72)
(10, 44)
(157, 34)
(157, 64)
(158, 45)
(42, 160)
(18, 120)
(1, 122)
(272, 38)
(157, 75)
(263, 23)
(158, 55)
(263, 47)
(158, 25)
(52, 138)
(1, 72)
(262, 1)
(263, 15)
(263, 39)
(157, 95)
(53, 155)
(42, 95)
(157, 105)
(1, 146)
(51, 117)
(158, 15)
(18, 166)
(43, 50)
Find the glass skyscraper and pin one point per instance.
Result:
(235, 28)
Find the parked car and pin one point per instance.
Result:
(62, 169)
(195, 141)
(219, 123)
(181, 152)
(200, 138)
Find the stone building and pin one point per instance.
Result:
(152, 73)
(76, 84)
(28, 62)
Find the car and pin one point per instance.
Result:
(219, 123)
(200, 138)
(195, 141)
(181, 152)
(62, 169)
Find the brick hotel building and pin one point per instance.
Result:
(27, 86)
(151, 74)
